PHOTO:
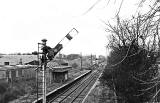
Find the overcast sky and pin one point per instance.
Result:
(23, 23)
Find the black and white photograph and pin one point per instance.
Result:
(79, 51)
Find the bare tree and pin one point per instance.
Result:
(135, 45)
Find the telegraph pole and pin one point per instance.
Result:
(44, 63)
(91, 60)
(81, 60)
(37, 69)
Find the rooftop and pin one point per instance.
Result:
(61, 68)
(15, 59)
(9, 67)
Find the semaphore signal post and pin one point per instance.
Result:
(48, 54)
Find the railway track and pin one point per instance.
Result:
(77, 93)
(73, 92)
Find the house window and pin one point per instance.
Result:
(6, 63)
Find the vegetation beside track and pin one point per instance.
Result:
(131, 71)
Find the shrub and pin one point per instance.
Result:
(3, 87)
(73, 56)
(131, 70)
(132, 76)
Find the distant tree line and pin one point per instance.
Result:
(20, 54)
(72, 56)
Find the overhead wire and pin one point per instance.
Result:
(91, 7)
(120, 8)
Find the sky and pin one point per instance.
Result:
(24, 23)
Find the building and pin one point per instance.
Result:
(3, 75)
(8, 73)
(59, 74)
(11, 73)
(26, 71)
(16, 59)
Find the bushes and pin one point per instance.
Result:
(3, 87)
(131, 70)
(18, 88)
(131, 77)
(73, 56)
(11, 94)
